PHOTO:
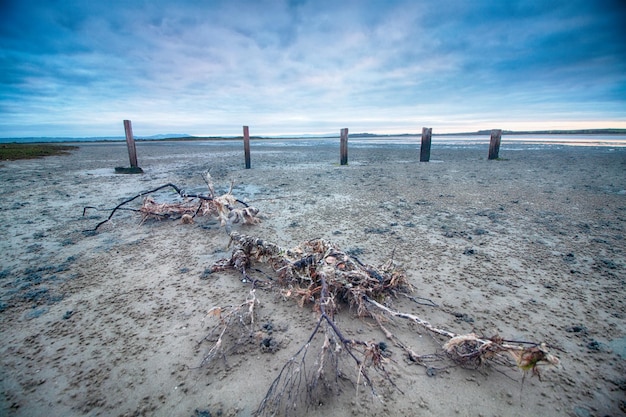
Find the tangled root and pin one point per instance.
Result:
(469, 350)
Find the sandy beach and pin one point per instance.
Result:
(531, 247)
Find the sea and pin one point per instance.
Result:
(511, 142)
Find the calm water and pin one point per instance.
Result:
(438, 141)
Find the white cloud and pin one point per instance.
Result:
(189, 67)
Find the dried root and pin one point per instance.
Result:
(471, 351)
(150, 209)
(235, 324)
(317, 272)
(529, 359)
(299, 270)
(224, 207)
(304, 380)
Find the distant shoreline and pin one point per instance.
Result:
(183, 137)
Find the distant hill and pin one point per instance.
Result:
(488, 132)
(555, 132)
(164, 136)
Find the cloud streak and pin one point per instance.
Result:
(78, 68)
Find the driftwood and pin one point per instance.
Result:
(192, 205)
(317, 272)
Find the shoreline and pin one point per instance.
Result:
(616, 139)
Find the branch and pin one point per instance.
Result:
(471, 350)
(245, 214)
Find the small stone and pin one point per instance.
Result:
(578, 328)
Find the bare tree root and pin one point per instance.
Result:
(319, 273)
(301, 383)
(235, 324)
(298, 270)
(192, 205)
(471, 351)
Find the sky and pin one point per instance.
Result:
(79, 68)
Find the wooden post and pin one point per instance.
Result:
(130, 142)
(425, 148)
(494, 144)
(343, 148)
(246, 145)
(132, 152)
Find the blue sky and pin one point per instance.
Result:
(79, 68)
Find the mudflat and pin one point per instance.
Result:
(531, 248)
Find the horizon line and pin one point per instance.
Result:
(164, 136)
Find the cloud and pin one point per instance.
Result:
(306, 66)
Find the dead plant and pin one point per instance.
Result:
(318, 272)
(226, 208)
(232, 326)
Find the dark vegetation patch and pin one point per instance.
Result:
(14, 151)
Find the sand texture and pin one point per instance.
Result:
(112, 323)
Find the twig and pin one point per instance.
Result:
(228, 214)
(228, 316)
(471, 350)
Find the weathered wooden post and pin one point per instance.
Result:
(132, 152)
(130, 142)
(425, 148)
(246, 145)
(494, 144)
(343, 148)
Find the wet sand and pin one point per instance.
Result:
(531, 247)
